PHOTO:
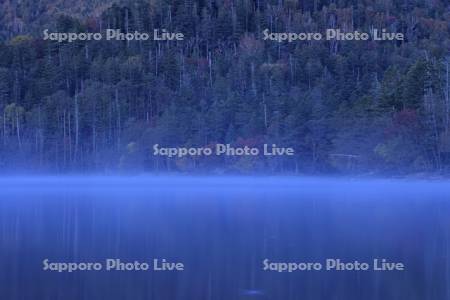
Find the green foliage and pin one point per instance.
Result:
(348, 107)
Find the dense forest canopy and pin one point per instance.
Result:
(377, 107)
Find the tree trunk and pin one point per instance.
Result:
(18, 130)
(77, 128)
(119, 125)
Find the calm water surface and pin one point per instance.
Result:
(222, 229)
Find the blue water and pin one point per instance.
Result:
(222, 229)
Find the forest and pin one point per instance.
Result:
(346, 107)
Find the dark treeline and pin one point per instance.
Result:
(344, 106)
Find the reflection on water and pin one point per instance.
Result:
(222, 229)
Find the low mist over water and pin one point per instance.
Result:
(223, 238)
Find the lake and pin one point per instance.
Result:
(233, 238)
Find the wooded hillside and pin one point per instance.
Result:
(344, 106)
